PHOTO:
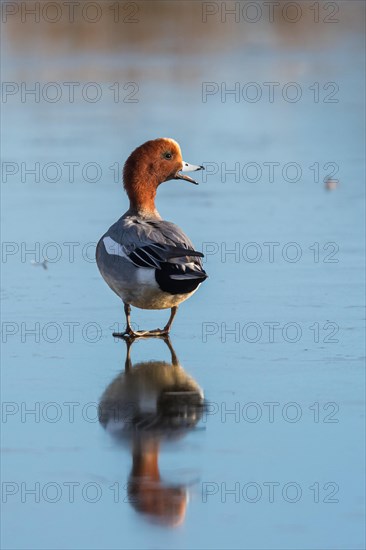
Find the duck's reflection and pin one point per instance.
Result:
(147, 404)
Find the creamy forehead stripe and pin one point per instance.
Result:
(114, 248)
(172, 140)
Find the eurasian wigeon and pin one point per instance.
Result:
(148, 262)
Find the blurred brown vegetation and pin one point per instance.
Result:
(168, 26)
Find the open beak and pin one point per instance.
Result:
(188, 168)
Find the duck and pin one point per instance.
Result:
(150, 263)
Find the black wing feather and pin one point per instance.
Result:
(146, 256)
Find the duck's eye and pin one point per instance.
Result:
(168, 155)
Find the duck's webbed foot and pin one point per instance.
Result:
(132, 334)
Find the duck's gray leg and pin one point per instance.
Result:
(173, 313)
(127, 309)
(128, 333)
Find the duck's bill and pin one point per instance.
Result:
(188, 168)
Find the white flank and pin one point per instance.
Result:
(146, 277)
